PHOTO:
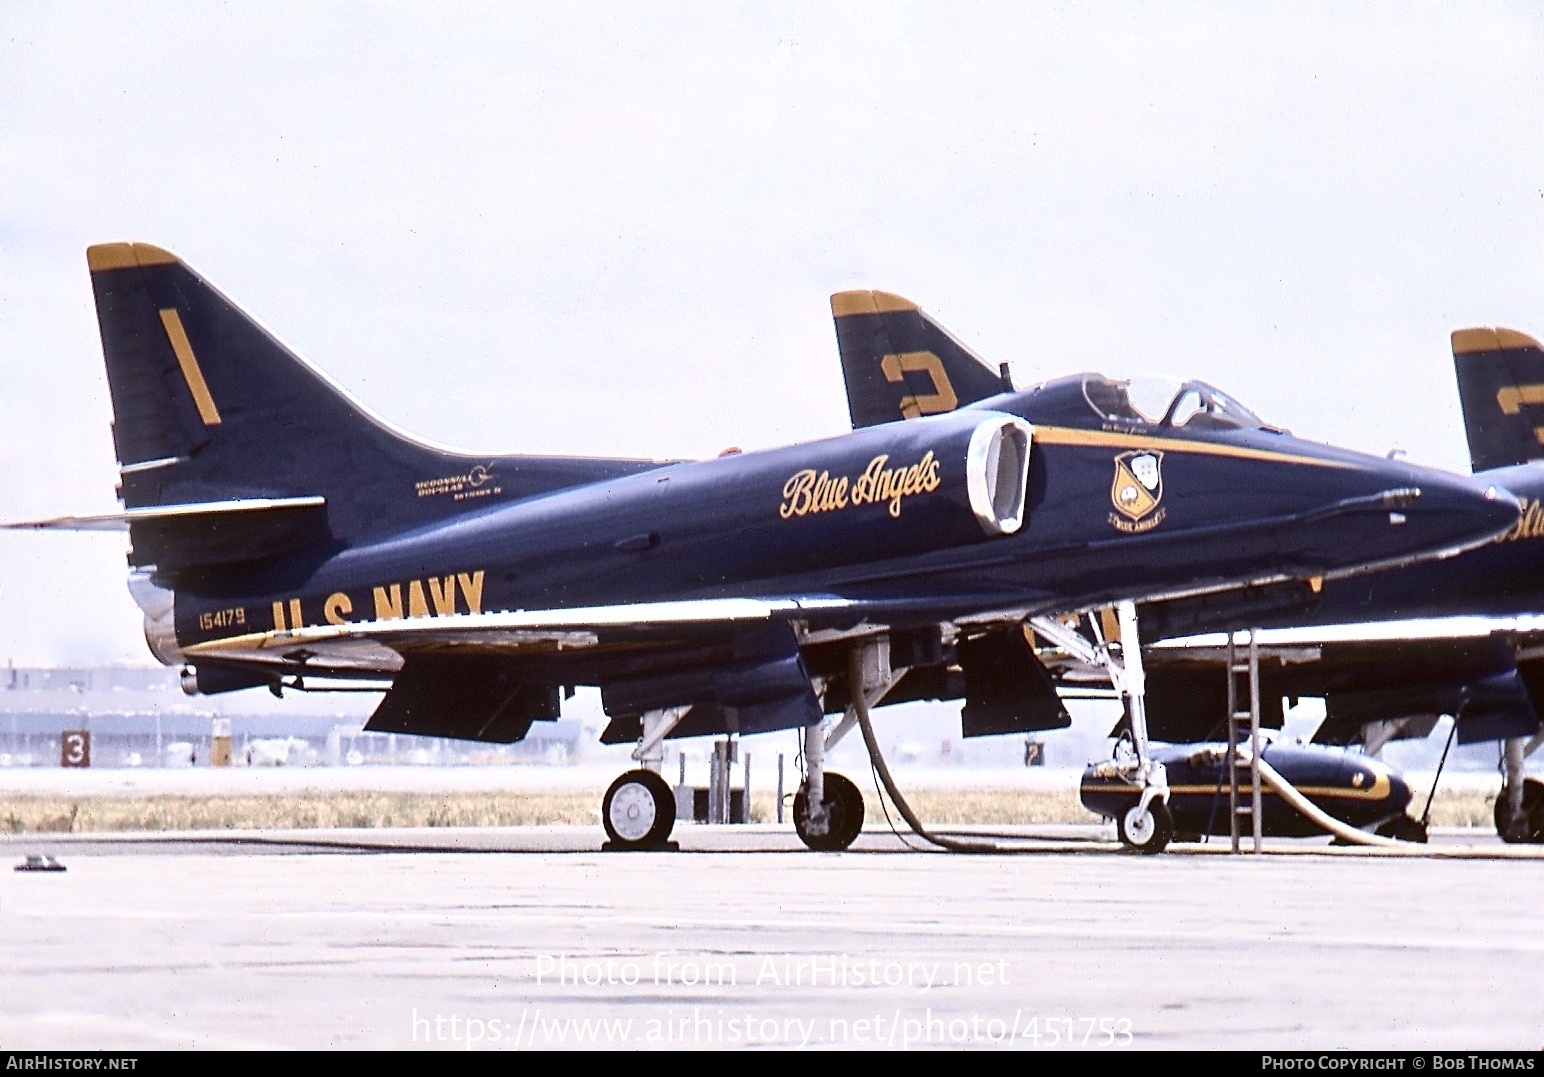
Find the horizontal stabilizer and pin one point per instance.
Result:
(205, 534)
(121, 521)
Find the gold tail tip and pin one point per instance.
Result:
(1511, 338)
(1466, 341)
(105, 256)
(847, 304)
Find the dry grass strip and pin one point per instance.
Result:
(44, 814)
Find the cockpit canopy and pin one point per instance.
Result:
(1171, 402)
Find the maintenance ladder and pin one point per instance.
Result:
(1244, 727)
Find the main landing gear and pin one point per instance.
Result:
(1148, 827)
(639, 809)
(1520, 805)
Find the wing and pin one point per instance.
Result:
(1378, 681)
(743, 665)
(489, 676)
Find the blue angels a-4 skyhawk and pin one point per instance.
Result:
(284, 537)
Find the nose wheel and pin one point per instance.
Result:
(638, 811)
(1149, 828)
(843, 815)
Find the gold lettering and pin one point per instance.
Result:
(829, 493)
(897, 484)
(808, 491)
(296, 621)
(1530, 525)
(388, 607)
(444, 595)
(417, 606)
(278, 617)
(796, 494)
(866, 490)
(337, 608)
(471, 589)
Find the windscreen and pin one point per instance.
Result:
(1171, 402)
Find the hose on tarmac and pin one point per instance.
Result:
(1268, 774)
(1307, 808)
(870, 741)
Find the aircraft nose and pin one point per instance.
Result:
(1447, 514)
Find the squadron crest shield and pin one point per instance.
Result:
(1137, 490)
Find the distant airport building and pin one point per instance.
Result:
(138, 716)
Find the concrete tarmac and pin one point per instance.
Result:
(532, 938)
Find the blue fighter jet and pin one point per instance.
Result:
(284, 538)
(1379, 682)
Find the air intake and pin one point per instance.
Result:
(997, 473)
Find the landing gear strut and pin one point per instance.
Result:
(828, 808)
(1149, 826)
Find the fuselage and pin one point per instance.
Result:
(1501, 578)
(912, 520)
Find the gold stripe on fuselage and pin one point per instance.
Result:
(1378, 790)
(1063, 435)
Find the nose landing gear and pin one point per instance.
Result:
(843, 815)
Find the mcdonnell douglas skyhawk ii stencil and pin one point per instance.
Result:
(283, 537)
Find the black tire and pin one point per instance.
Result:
(844, 814)
(638, 810)
(1149, 832)
(1532, 830)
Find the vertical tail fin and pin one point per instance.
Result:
(899, 364)
(1501, 386)
(210, 407)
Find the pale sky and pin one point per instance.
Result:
(612, 229)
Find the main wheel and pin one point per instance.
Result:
(844, 815)
(1531, 829)
(639, 810)
(1148, 831)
